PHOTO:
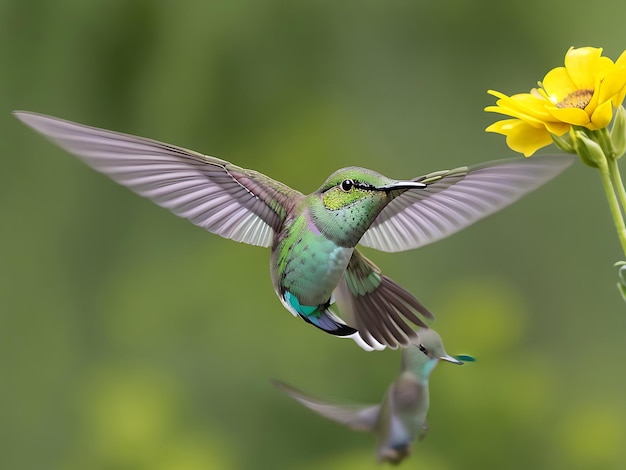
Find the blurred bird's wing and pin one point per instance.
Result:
(224, 199)
(455, 199)
(376, 306)
(357, 417)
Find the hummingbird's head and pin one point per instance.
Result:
(426, 351)
(350, 199)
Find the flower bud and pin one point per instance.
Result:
(618, 132)
(563, 142)
(589, 150)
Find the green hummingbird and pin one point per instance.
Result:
(314, 261)
(401, 416)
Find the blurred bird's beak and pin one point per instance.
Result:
(451, 359)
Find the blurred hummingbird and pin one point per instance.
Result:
(401, 417)
(314, 261)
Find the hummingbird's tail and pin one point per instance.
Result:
(329, 322)
(321, 317)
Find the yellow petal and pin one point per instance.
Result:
(574, 116)
(558, 84)
(525, 106)
(521, 101)
(618, 98)
(532, 105)
(602, 116)
(595, 98)
(604, 66)
(557, 127)
(582, 65)
(532, 121)
(502, 127)
(520, 136)
(614, 81)
(497, 94)
(620, 67)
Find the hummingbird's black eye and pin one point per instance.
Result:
(346, 185)
(423, 349)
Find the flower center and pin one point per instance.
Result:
(577, 99)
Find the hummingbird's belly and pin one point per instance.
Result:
(311, 271)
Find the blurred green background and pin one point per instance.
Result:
(130, 339)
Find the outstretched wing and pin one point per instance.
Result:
(224, 199)
(357, 417)
(455, 199)
(376, 306)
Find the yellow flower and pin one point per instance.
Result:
(584, 93)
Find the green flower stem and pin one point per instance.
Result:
(618, 185)
(608, 177)
(604, 139)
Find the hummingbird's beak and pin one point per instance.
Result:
(451, 359)
(399, 185)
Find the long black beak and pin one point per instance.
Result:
(399, 185)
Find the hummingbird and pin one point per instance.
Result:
(314, 259)
(401, 416)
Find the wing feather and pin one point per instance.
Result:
(376, 306)
(224, 199)
(457, 198)
(357, 417)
